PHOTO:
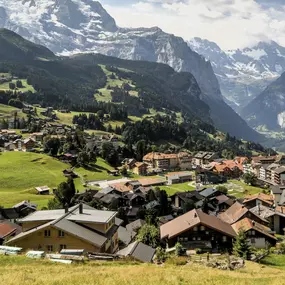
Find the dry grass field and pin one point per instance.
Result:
(20, 270)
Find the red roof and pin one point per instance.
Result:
(6, 229)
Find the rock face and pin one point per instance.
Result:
(83, 26)
(268, 109)
(243, 74)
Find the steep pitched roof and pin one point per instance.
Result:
(67, 222)
(7, 229)
(89, 215)
(247, 224)
(80, 232)
(191, 219)
(208, 192)
(235, 212)
(260, 196)
(136, 225)
(139, 251)
(266, 212)
(126, 236)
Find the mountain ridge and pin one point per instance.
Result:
(94, 30)
(243, 73)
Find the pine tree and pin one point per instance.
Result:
(241, 247)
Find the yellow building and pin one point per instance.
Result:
(79, 227)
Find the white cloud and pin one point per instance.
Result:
(230, 23)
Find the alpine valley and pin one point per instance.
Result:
(71, 26)
(243, 74)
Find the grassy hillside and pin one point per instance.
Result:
(26, 87)
(20, 270)
(7, 111)
(105, 93)
(21, 172)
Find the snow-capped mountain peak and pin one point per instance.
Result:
(243, 73)
(84, 26)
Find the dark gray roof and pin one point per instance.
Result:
(89, 215)
(265, 212)
(208, 192)
(189, 195)
(133, 211)
(138, 251)
(135, 226)
(277, 189)
(280, 170)
(109, 198)
(107, 190)
(9, 214)
(118, 221)
(152, 204)
(71, 228)
(126, 236)
(25, 204)
(80, 232)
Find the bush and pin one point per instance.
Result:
(199, 251)
(281, 247)
(161, 255)
(179, 249)
(222, 189)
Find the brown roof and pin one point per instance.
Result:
(258, 159)
(157, 156)
(140, 164)
(247, 224)
(260, 196)
(234, 213)
(150, 181)
(7, 229)
(191, 219)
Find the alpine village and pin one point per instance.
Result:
(123, 162)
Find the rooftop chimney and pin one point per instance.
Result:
(80, 208)
(66, 208)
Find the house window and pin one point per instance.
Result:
(47, 233)
(224, 238)
(198, 238)
(185, 239)
(195, 229)
(253, 232)
(252, 240)
(202, 228)
(207, 233)
(49, 248)
(193, 238)
(61, 233)
(62, 246)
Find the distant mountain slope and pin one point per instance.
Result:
(14, 47)
(73, 81)
(72, 26)
(268, 109)
(243, 74)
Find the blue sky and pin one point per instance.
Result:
(230, 23)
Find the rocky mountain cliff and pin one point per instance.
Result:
(267, 111)
(243, 74)
(73, 26)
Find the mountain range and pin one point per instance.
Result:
(83, 26)
(243, 73)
